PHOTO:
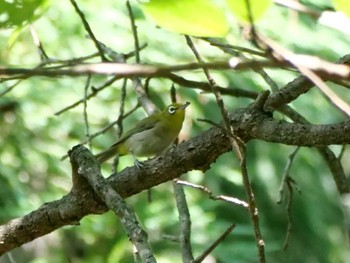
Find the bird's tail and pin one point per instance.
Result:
(106, 155)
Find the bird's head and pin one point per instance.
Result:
(175, 113)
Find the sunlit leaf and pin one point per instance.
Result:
(257, 7)
(196, 17)
(343, 6)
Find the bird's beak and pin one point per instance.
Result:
(183, 106)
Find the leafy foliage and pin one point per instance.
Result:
(20, 12)
(197, 17)
(240, 10)
(342, 5)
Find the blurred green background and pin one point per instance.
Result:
(33, 140)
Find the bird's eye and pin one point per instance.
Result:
(171, 110)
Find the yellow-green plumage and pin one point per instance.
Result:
(150, 136)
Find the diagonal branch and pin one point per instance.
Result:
(85, 165)
(88, 29)
(324, 69)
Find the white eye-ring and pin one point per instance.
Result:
(171, 110)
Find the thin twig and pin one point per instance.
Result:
(182, 208)
(286, 174)
(268, 79)
(118, 57)
(228, 49)
(216, 93)
(134, 32)
(342, 83)
(89, 96)
(251, 21)
(142, 96)
(234, 50)
(228, 133)
(86, 121)
(173, 93)
(336, 168)
(342, 151)
(288, 181)
(289, 184)
(331, 159)
(10, 88)
(109, 126)
(10, 257)
(43, 57)
(240, 152)
(326, 90)
(185, 223)
(171, 238)
(38, 44)
(253, 210)
(297, 6)
(229, 199)
(68, 62)
(115, 56)
(44, 62)
(215, 244)
(88, 29)
(121, 108)
(205, 87)
(120, 121)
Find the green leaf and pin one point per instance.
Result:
(343, 6)
(200, 18)
(20, 12)
(257, 7)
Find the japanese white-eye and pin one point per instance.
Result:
(150, 136)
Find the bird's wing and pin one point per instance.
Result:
(143, 125)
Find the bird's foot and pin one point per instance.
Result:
(139, 164)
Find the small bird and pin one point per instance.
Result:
(150, 136)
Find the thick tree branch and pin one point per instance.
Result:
(50, 216)
(256, 125)
(196, 154)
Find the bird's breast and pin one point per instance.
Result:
(151, 142)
